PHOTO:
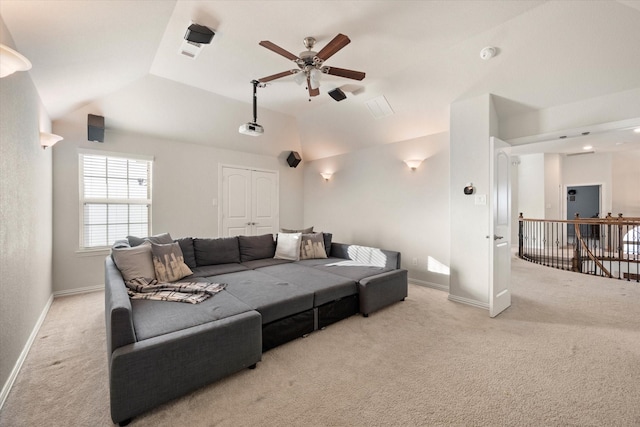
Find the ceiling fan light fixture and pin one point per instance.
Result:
(311, 63)
(300, 77)
(314, 78)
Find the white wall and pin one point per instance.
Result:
(626, 183)
(553, 194)
(471, 126)
(374, 199)
(185, 182)
(25, 216)
(618, 172)
(531, 192)
(603, 109)
(589, 169)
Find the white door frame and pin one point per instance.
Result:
(219, 197)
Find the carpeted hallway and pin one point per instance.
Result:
(567, 352)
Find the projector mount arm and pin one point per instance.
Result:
(256, 84)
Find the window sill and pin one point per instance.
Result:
(93, 252)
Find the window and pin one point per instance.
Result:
(115, 198)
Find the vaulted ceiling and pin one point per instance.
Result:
(420, 55)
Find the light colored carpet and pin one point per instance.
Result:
(566, 353)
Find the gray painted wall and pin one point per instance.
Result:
(185, 183)
(373, 198)
(25, 215)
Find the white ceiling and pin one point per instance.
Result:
(421, 55)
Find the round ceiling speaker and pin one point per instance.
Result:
(488, 53)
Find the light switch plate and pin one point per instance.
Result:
(481, 199)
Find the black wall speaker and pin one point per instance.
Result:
(337, 94)
(199, 34)
(294, 159)
(95, 128)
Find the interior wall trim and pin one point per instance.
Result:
(76, 291)
(432, 285)
(468, 301)
(6, 388)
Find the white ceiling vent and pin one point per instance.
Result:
(190, 49)
(580, 154)
(379, 107)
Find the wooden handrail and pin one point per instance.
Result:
(589, 253)
(609, 247)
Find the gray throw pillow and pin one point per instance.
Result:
(288, 246)
(168, 262)
(161, 239)
(121, 243)
(188, 252)
(312, 246)
(134, 263)
(224, 250)
(327, 243)
(303, 231)
(256, 247)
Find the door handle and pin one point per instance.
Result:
(252, 223)
(495, 237)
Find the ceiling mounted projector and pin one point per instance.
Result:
(253, 128)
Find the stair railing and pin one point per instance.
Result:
(608, 247)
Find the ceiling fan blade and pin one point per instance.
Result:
(277, 49)
(342, 72)
(312, 92)
(275, 76)
(333, 46)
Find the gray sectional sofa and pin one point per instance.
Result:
(160, 350)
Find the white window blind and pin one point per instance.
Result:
(115, 199)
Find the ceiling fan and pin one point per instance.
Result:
(311, 64)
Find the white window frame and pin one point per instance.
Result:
(82, 200)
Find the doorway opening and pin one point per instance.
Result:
(583, 200)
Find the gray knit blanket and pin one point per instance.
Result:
(190, 292)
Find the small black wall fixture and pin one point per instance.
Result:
(294, 159)
(95, 128)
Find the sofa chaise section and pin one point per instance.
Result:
(155, 357)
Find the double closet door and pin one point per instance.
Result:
(250, 203)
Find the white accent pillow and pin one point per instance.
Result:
(288, 246)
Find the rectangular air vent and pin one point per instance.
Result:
(190, 49)
(379, 107)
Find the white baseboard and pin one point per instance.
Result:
(76, 291)
(429, 285)
(469, 301)
(6, 388)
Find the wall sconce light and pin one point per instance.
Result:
(413, 164)
(326, 175)
(12, 61)
(48, 139)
